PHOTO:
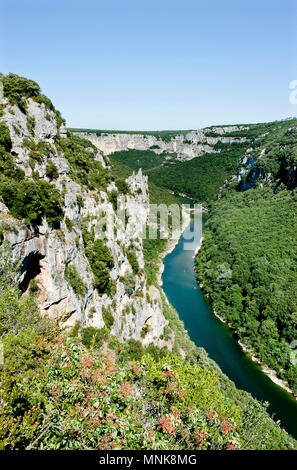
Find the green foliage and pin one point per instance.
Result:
(113, 197)
(74, 279)
(94, 337)
(5, 140)
(69, 224)
(144, 331)
(31, 200)
(101, 260)
(84, 168)
(7, 166)
(132, 258)
(60, 395)
(69, 398)
(247, 265)
(122, 186)
(153, 250)
(129, 281)
(166, 136)
(31, 124)
(17, 89)
(107, 317)
(51, 171)
(135, 159)
(208, 173)
(157, 195)
(16, 313)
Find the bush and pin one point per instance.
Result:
(69, 224)
(101, 260)
(132, 258)
(32, 200)
(129, 282)
(93, 337)
(5, 140)
(17, 89)
(107, 317)
(74, 279)
(122, 186)
(51, 171)
(113, 197)
(31, 124)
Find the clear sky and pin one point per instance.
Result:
(147, 64)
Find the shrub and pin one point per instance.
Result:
(17, 89)
(32, 200)
(107, 317)
(74, 279)
(93, 337)
(122, 186)
(51, 171)
(101, 260)
(129, 282)
(134, 349)
(31, 124)
(5, 140)
(113, 197)
(144, 331)
(133, 261)
(80, 200)
(69, 224)
(7, 167)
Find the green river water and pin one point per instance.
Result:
(207, 331)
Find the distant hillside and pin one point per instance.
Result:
(193, 163)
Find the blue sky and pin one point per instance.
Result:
(185, 64)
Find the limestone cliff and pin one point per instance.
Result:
(46, 250)
(185, 146)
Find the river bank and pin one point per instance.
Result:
(208, 331)
(249, 352)
(186, 217)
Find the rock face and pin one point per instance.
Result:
(186, 147)
(46, 251)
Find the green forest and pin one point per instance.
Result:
(247, 263)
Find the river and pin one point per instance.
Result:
(207, 331)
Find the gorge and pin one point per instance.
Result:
(95, 356)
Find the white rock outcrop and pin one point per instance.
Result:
(45, 251)
(188, 146)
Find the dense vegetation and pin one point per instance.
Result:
(247, 263)
(17, 89)
(100, 259)
(84, 168)
(135, 159)
(26, 199)
(85, 390)
(201, 177)
(208, 172)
